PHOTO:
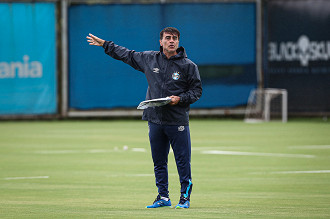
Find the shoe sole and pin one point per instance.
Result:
(161, 207)
(178, 207)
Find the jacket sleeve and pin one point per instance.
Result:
(131, 57)
(195, 87)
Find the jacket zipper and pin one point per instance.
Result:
(163, 83)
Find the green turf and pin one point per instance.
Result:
(91, 176)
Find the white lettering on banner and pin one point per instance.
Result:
(303, 50)
(23, 69)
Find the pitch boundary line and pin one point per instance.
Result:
(137, 175)
(26, 177)
(241, 153)
(222, 147)
(299, 172)
(310, 147)
(91, 151)
(294, 172)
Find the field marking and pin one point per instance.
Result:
(137, 175)
(92, 151)
(222, 147)
(297, 172)
(240, 153)
(27, 177)
(58, 152)
(139, 149)
(95, 151)
(140, 175)
(310, 147)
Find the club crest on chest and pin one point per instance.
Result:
(176, 75)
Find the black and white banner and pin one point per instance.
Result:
(297, 52)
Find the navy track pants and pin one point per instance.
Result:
(161, 137)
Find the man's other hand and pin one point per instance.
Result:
(175, 100)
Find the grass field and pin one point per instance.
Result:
(79, 169)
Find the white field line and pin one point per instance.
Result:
(140, 175)
(93, 151)
(27, 177)
(299, 172)
(221, 148)
(310, 147)
(240, 153)
(58, 152)
(139, 149)
(137, 175)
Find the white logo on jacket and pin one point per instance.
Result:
(156, 70)
(181, 128)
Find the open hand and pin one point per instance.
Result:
(94, 40)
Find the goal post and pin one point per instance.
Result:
(267, 104)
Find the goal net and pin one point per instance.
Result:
(267, 104)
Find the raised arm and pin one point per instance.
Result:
(134, 59)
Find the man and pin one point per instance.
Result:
(169, 73)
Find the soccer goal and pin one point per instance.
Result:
(267, 104)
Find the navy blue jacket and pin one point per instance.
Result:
(177, 76)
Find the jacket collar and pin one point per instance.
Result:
(181, 53)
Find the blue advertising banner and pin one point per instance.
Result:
(297, 56)
(218, 37)
(27, 59)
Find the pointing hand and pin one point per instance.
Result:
(94, 40)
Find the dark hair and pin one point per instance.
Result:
(171, 30)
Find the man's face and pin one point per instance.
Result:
(170, 43)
